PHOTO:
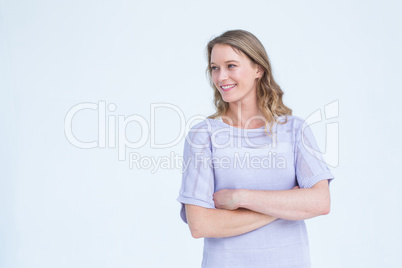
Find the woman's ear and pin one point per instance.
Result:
(259, 71)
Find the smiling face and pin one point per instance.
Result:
(234, 74)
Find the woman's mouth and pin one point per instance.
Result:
(226, 88)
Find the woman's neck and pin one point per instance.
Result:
(243, 115)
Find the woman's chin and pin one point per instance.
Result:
(229, 99)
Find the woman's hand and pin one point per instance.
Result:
(229, 198)
(226, 199)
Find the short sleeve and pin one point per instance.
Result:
(197, 187)
(310, 165)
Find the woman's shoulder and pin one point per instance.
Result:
(290, 122)
(200, 130)
(208, 124)
(205, 124)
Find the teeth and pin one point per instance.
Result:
(226, 87)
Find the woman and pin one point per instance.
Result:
(250, 178)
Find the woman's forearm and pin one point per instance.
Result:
(206, 222)
(297, 204)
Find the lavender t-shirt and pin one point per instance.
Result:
(218, 156)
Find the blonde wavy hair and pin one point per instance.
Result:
(269, 93)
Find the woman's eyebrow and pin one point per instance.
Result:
(225, 61)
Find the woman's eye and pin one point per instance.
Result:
(231, 65)
(213, 68)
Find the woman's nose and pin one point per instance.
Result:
(223, 75)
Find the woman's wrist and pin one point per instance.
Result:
(242, 196)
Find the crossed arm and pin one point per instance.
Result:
(240, 211)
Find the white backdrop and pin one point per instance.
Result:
(64, 206)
